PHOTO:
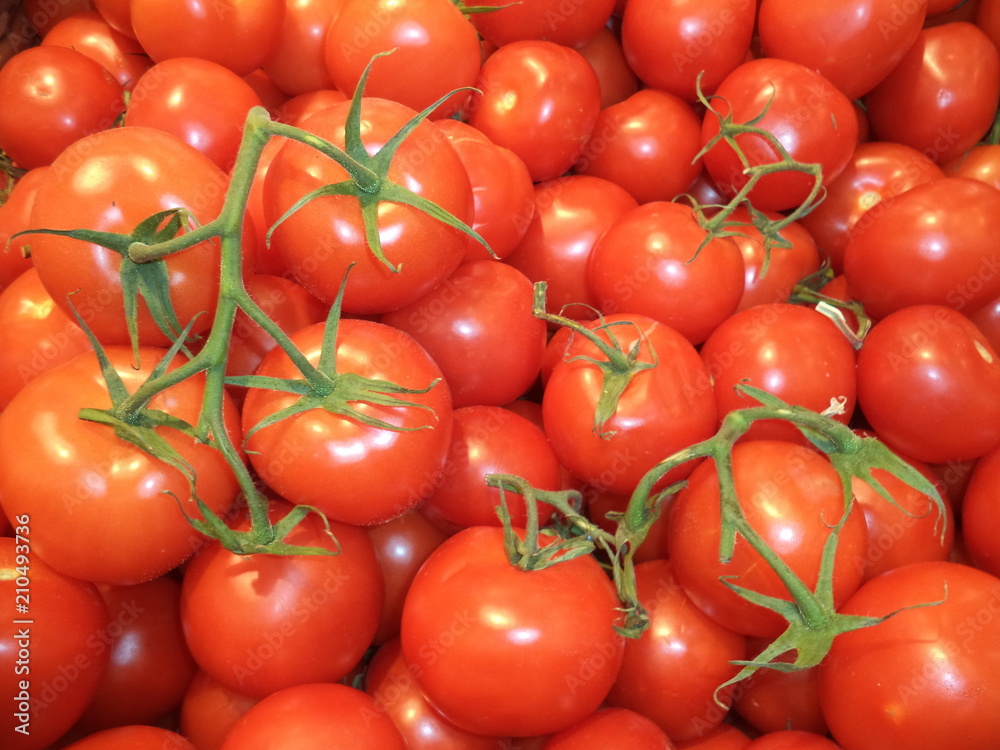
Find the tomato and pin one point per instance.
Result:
(136, 737)
(558, 100)
(35, 334)
(671, 672)
(315, 717)
(648, 144)
(929, 385)
(553, 20)
(670, 44)
(771, 701)
(210, 710)
(806, 114)
(50, 661)
(53, 96)
(987, 320)
(941, 233)
(262, 623)
(150, 666)
(792, 352)
(435, 51)
(723, 737)
(981, 162)
(608, 726)
(852, 44)
(501, 190)
(238, 36)
(792, 740)
(942, 96)
(979, 513)
(118, 14)
(563, 222)
(605, 54)
(112, 181)
(875, 176)
(15, 216)
(393, 684)
(921, 679)
(401, 545)
(321, 240)
(491, 440)
(473, 624)
(479, 328)
(662, 410)
(79, 481)
(199, 101)
(297, 63)
(298, 108)
(379, 472)
(45, 16)
(646, 263)
(92, 35)
(791, 495)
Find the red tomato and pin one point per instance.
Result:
(852, 44)
(605, 54)
(118, 14)
(723, 737)
(78, 480)
(980, 511)
(563, 221)
(312, 616)
(50, 660)
(942, 96)
(91, 34)
(479, 328)
(647, 144)
(554, 20)
(15, 216)
(210, 710)
(558, 99)
(44, 16)
(297, 63)
(298, 108)
(934, 245)
(791, 496)
(473, 623)
(150, 666)
(806, 114)
(792, 740)
(875, 176)
(771, 701)
(987, 320)
(929, 385)
(662, 410)
(53, 96)
(135, 737)
(321, 240)
(435, 51)
(379, 473)
(925, 677)
(607, 727)
(671, 672)
(669, 44)
(199, 101)
(646, 263)
(112, 181)
(238, 36)
(981, 162)
(35, 334)
(792, 352)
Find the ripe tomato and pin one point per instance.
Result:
(435, 51)
(808, 116)
(473, 623)
(979, 513)
(78, 480)
(605, 54)
(379, 473)
(15, 216)
(792, 739)
(558, 99)
(553, 20)
(135, 737)
(771, 701)
(981, 162)
(929, 385)
(263, 623)
(791, 496)
(607, 727)
(92, 35)
(297, 64)
(210, 710)
(923, 678)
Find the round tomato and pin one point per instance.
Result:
(92, 35)
(979, 513)
(134, 737)
(297, 64)
(210, 710)
(605, 54)
(15, 216)
(607, 727)
(554, 20)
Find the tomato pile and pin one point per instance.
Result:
(446, 374)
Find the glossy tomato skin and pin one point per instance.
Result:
(133, 737)
(209, 710)
(929, 385)
(852, 44)
(319, 716)
(645, 263)
(605, 54)
(558, 96)
(51, 663)
(91, 34)
(790, 495)
(320, 241)
(941, 97)
(313, 616)
(723, 737)
(542, 19)
(924, 677)
(669, 44)
(792, 739)
(15, 216)
(78, 480)
(808, 116)
(53, 96)
(664, 409)
(671, 672)
(772, 701)
(473, 624)
(112, 181)
(981, 162)
(941, 233)
(980, 511)
(608, 726)
(297, 63)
